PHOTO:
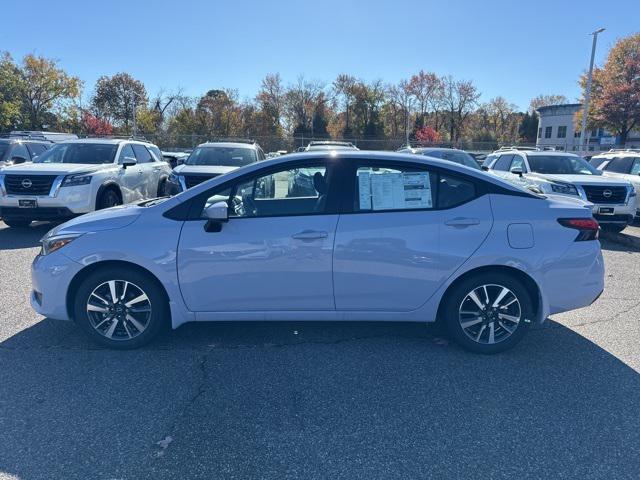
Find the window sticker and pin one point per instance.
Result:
(394, 190)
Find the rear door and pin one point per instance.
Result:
(404, 230)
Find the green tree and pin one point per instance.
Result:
(116, 97)
(10, 94)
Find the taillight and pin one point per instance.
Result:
(588, 228)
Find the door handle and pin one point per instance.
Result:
(309, 235)
(462, 222)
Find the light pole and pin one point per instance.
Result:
(587, 95)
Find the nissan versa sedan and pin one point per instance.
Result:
(385, 236)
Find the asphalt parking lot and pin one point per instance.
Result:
(319, 400)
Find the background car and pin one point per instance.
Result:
(211, 159)
(356, 250)
(174, 158)
(79, 176)
(15, 150)
(622, 164)
(450, 154)
(329, 145)
(558, 173)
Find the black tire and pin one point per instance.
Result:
(109, 198)
(15, 223)
(613, 228)
(489, 319)
(156, 321)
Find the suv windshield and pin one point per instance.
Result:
(560, 165)
(222, 156)
(462, 158)
(85, 153)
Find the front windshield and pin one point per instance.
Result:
(560, 165)
(222, 156)
(462, 158)
(82, 153)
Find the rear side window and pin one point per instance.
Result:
(389, 189)
(142, 154)
(503, 163)
(597, 161)
(635, 169)
(155, 152)
(620, 165)
(518, 162)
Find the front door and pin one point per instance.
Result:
(274, 253)
(129, 178)
(409, 230)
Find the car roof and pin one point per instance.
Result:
(252, 146)
(106, 141)
(436, 149)
(536, 153)
(24, 140)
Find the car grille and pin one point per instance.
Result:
(193, 180)
(605, 194)
(28, 184)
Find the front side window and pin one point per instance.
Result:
(620, 165)
(518, 162)
(503, 163)
(635, 169)
(295, 191)
(20, 151)
(560, 165)
(126, 152)
(80, 153)
(142, 154)
(222, 156)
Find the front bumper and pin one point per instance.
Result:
(64, 203)
(51, 276)
(614, 214)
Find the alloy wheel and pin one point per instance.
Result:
(119, 310)
(489, 314)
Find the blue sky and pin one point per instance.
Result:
(517, 49)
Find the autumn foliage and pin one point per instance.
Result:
(427, 135)
(93, 125)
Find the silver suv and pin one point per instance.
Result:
(559, 173)
(79, 176)
(211, 159)
(620, 164)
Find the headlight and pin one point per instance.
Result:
(564, 188)
(51, 244)
(75, 180)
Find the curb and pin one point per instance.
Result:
(622, 239)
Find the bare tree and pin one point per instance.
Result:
(460, 98)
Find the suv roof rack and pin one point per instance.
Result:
(515, 147)
(331, 142)
(613, 150)
(232, 140)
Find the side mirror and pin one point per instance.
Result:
(216, 214)
(17, 160)
(129, 162)
(484, 167)
(517, 171)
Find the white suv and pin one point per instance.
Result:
(80, 176)
(622, 164)
(559, 173)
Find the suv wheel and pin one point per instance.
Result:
(17, 223)
(108, 199)
(488, 313)
(120, 308)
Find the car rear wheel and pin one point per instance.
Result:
(120, 308)
(488, 313)
(17, 223)
(108, 199)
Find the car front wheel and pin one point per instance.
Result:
(488, 313)
(120, 308)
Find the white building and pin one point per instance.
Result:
(557, 129)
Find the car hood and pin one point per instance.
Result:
(108, 219)
(581, 179)
(54, 168)
(203, 169)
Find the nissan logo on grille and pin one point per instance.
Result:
(26, 183)
(607, 193)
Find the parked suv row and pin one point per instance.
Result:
(79, 176)
(15, 150)
(559, 173)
